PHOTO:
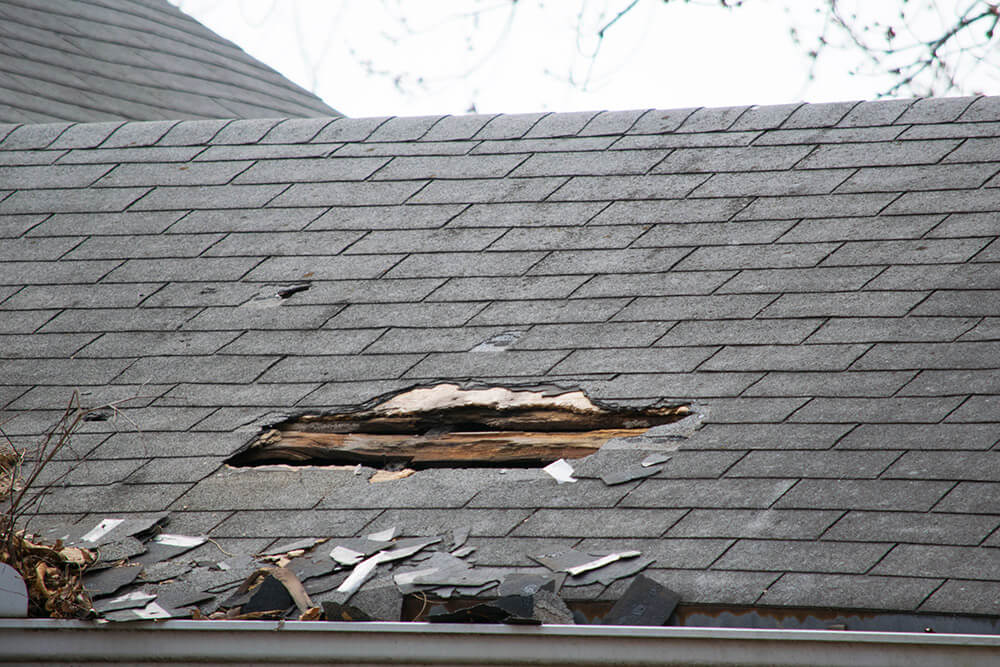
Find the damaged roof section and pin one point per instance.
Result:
(446, 425)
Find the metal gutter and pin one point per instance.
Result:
(51, 642)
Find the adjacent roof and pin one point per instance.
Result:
(92, 60)
(820, 281)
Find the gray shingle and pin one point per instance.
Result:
(349, 129)
(244, 131)
(357, 316)
(978, 409)
(386, 217)
(840, 557)
(972, 498)
(654, 284)
(460, 264)
(659, 121)
(713, 233)
(947, 201)
(833, 464)
(670, 210)
(502, 289)
(203, 268)
(151, 246)
(849, 591)
(863, 304)
(295, 130)
(282, 243)
(928, 355)
(451, 128)
(141, 344)
(746, 332)
(767, 436)
(511, 363)
(405, 148)
(486, 523)
(51, 176)
(316, 368)
(295, 523)
(597, 523)
(595, 163)
(877, 410)
(161, 154)
(206, 196)
(856, 229)
(913, 527)
(817, 279)
(784, 358)
(975, 303)
(694, 308)
(317, 267)
(509, 126)
(481, 191)
(753, 158)
(706, 494)
(685, 140)
(817, 206)
(922, 436)
(342, 193)
(762, 524)
(603, 188)
(757, 256)
(525, 146)
(957, 562)
(563, 262)
(881, 112)
(763, 184)
(195, 368)
(935, 110)
(683, 386)
(896, 154)
(944, 383)
(341, 341)
(979, 597)
(868, 384)
(611, 123)
(403, 129)
(849, 494)
(442, 240)
(70, 201)
(311, 170)
(462, 166)
(639, 360)
(931, 177)
(905, 252)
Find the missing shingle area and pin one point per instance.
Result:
(451, 426)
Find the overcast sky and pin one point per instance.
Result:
(404, 57)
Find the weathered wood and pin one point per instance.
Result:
(495, 448)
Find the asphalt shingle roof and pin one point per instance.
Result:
(114, 60)
(820, 281)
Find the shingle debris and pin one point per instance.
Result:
(337, 578)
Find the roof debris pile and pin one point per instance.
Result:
(134, 571)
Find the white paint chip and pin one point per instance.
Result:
(102, 529)
(561, 471)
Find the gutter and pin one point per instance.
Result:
(46, 641)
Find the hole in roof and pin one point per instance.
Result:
(447, 426)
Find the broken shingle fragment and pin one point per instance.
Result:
(610, 573)
(270, 595)
(110, 581)
(290, 547)
(164, 570)
(645, 602)
(130, 600)
(166, 546)
(654, 459)
(629, 474)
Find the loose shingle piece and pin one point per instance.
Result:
(818, 286)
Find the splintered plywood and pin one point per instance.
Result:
(447, 426)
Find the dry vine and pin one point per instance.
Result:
(52, 572)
